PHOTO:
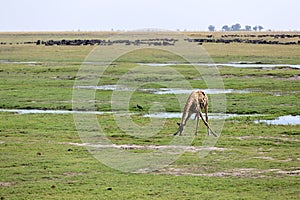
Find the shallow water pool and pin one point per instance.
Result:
(282, 120)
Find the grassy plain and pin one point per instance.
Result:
(40, 161)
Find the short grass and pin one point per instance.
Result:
(280, 54)
(40, 161)
(50, 86)
(259, 161)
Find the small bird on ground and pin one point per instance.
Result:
(139, 107)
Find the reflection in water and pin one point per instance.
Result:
(237, 65)
(283, 120)
(102, 87)
(163, 90)
(207, 91)
(210, 115)
(37, 111)
(154, 115)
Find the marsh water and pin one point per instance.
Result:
(234, 64)
(240, 64)
(211, 115)
(282, 120)
(188, 91)
(162, 90)
(38, 111)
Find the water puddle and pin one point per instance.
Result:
(37, 111)
(237, 65)
(283, 120)
(234, 64)
(158, 64)
(20, 62)
(207, 91)
(167, 115)
(162, 90)
(253, 65)
(104, 87)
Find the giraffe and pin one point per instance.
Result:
(195, 102)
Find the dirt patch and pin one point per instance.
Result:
(192, 149)
(284, 138)
(270, 158)
(72, 173)
(264, 158)
(239, 172)
(292, 172)
(244, 137)
(293, 78)
(6, 184)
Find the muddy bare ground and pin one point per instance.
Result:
(238, 172)
(149, 147)
(6, 184)
(198, 171)
(283, 138)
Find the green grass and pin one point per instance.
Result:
(279, 54)
(55, 169)
(40, 161)
(50, 86)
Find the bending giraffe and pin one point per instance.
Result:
(195, 102)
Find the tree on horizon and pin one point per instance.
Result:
(236, 27)
(226, 28)
(248, 28)
(211, 28)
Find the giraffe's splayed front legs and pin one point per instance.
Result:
(180, 129)
(195, 102)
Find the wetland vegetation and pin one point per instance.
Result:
(42, 155)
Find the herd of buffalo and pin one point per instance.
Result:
(283, 39)
(79, 42)
(275, 39)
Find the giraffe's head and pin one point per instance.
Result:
(202, 97)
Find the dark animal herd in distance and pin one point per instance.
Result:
(78, 42)
(274, 39)
(249, 38)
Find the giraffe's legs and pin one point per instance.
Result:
(197, 124)
(183, 123)
(207, 125)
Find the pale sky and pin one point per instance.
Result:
(97, 15)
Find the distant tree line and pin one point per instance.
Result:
(237, 27)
